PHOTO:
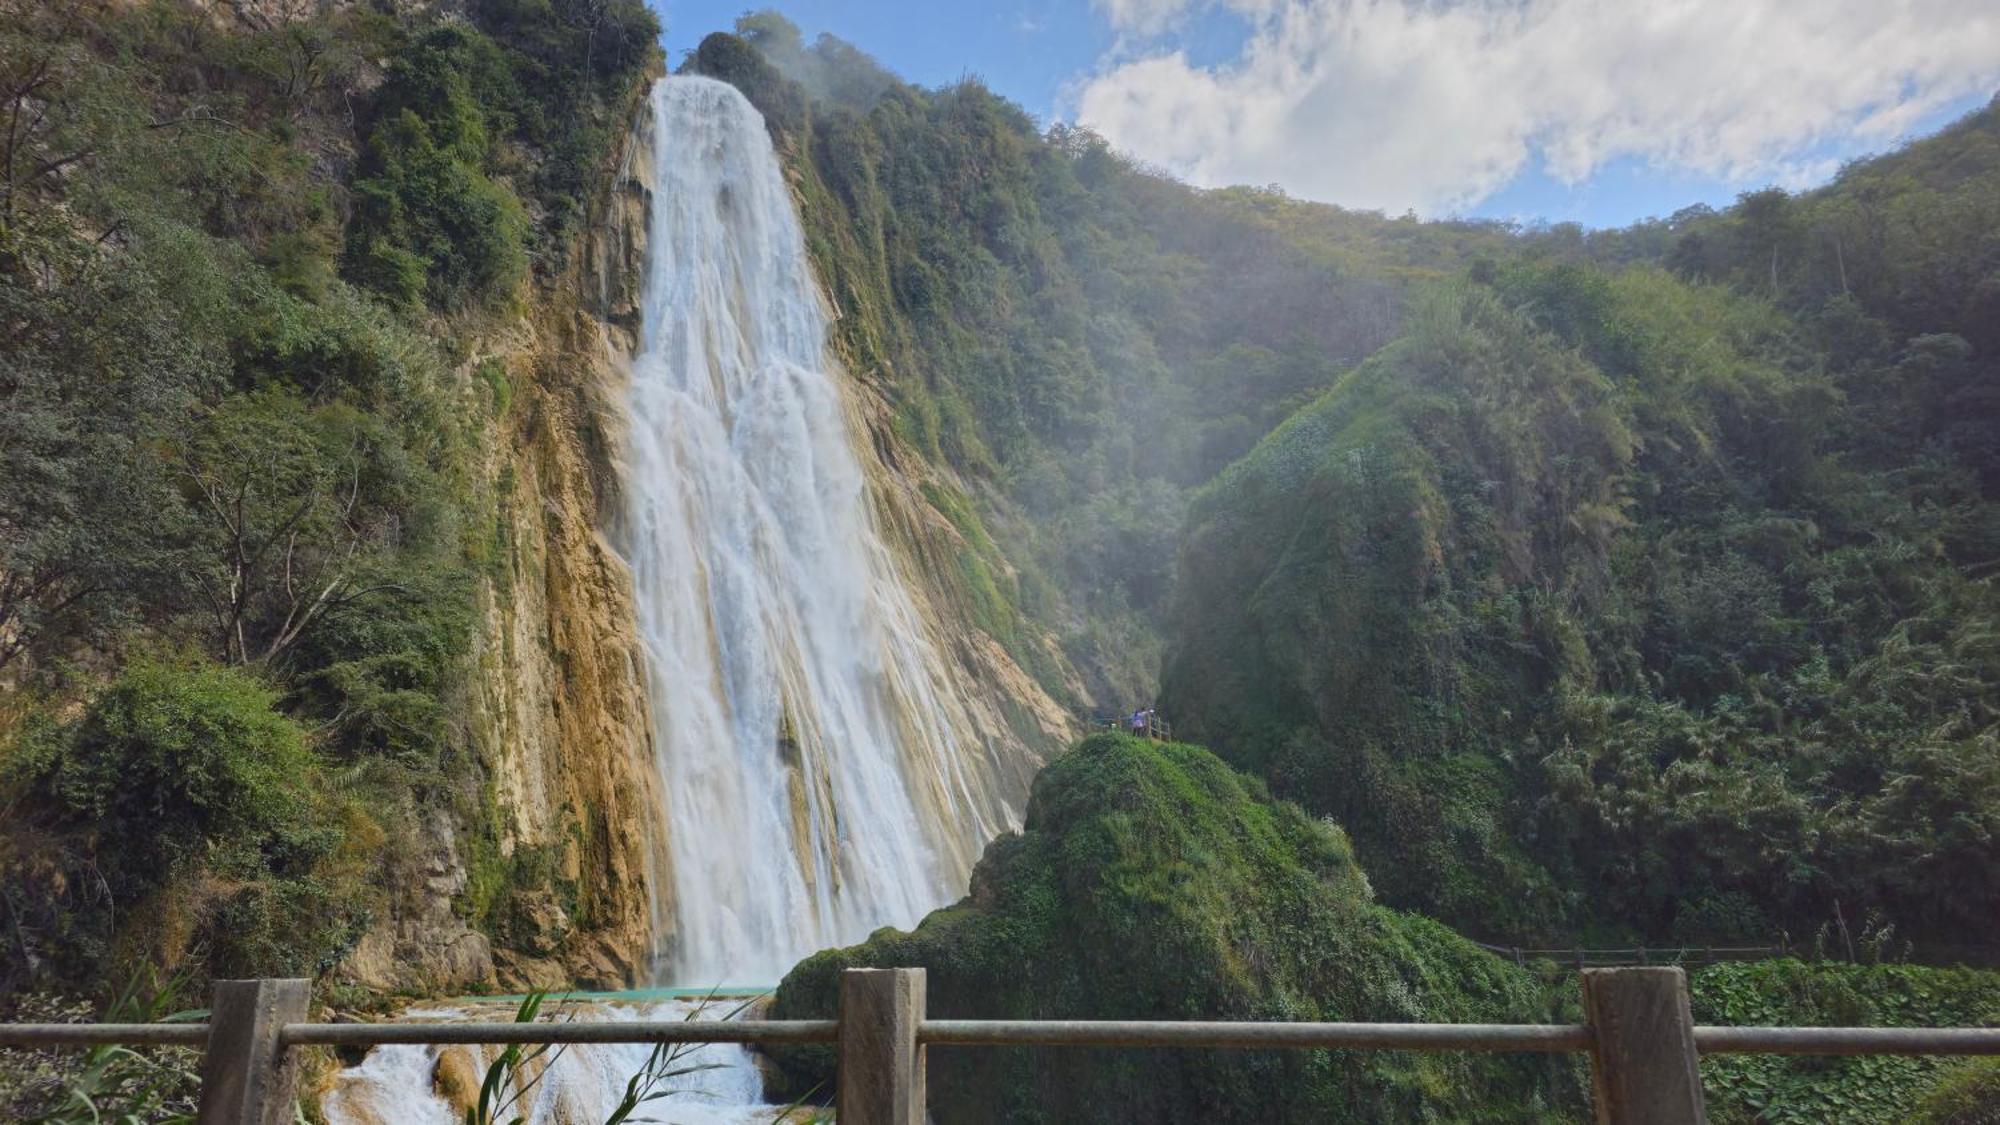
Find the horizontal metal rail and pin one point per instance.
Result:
(1545, 1038)
(1633, 951)
(1307, 1036)
(562, 1031)
(1644, 1049)
(98, 1034)
(1847, 1040)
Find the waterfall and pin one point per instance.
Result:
(822, 770)
(820, 778)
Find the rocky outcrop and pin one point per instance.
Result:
(562, 857)
(421, 945)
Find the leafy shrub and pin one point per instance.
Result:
(180, 770)
(427, 204)
(172, 761)
(1862, 1089)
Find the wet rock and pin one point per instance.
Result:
(458, 1078)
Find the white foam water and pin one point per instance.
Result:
(820, 781)
(396, 1084)
(820, 773)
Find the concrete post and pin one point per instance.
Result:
(248, 1077)
(881, 1076)
(1643, 1064)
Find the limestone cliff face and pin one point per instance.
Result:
(560, 677)
(1019, 721)
(556, 870)
(559, 872)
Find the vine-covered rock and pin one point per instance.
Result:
(1154, 881)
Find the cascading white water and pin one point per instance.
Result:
(823, 776)
(714, 1084)
(819, 782)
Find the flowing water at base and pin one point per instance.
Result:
(399, 1085)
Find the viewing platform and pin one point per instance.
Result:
(1142, 724)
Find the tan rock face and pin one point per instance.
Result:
(558, 710)
(422, 945)
(460, 1072)
(569, 740)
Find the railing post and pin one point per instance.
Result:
(881, 1076)
(247, 1075)
(1644, 1068)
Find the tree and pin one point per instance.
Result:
(98, 374)
(290, 505)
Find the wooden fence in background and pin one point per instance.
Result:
(1585, 958)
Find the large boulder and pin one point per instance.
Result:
(1154, 881)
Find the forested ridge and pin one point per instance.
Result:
(1642, 602)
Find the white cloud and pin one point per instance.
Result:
(1435, 104)
(1144, 17)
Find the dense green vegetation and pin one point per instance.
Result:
(1967, 1094)
(240, 512)
(1606, 599)
(180, 771)
(1780, 1091)
(1153, 881)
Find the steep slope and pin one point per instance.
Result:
(304, 401)
(1594, 603)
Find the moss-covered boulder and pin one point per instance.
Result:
(1154, 881)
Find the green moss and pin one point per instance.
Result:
(1153, 881)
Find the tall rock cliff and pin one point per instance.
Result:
(560, 872)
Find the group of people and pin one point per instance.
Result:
(1142, 722)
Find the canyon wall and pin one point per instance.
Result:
(558, 871)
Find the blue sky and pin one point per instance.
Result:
(1562, 110)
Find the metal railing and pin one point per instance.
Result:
(1642, 1041)
(1151, 725)
(1585, 958)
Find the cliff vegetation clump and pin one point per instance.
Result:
(1152, 881)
